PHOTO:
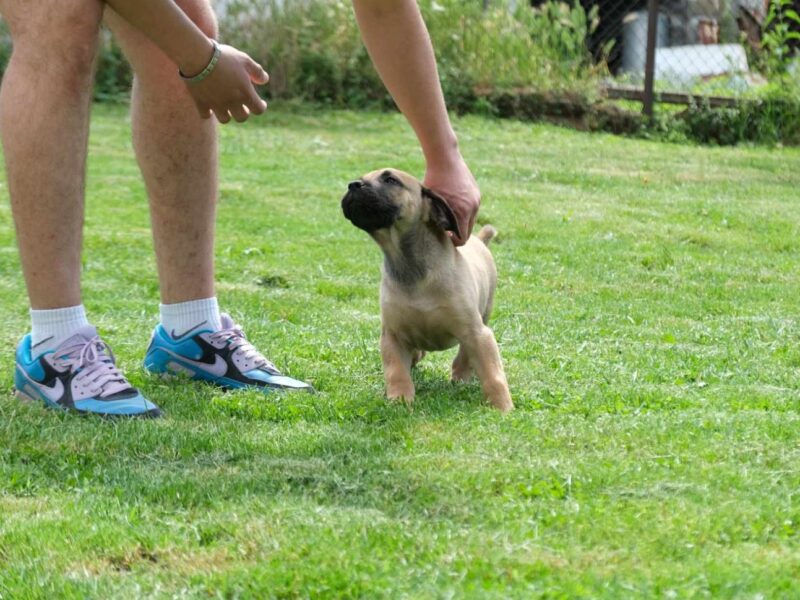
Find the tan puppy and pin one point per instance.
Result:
(433, 295)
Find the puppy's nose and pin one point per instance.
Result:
(355, 185)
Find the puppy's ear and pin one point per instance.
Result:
(441, 213)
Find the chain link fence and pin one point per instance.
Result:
(697, 49)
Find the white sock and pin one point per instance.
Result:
(183, 317)
(49, 327)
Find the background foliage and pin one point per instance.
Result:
(313, 50)
(523, 63)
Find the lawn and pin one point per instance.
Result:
(647, 313)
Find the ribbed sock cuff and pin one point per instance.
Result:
(48, 327)
(183, 317)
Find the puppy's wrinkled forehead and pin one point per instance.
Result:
(393, 178)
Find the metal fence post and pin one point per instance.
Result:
(650, 59)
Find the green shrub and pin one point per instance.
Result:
(527, 63)
(772, 116)
(780, 36)
(496, 49)
(313, 51)
(113, 77)
(5, 46)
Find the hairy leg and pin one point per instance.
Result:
(177, 153)
(44, 119)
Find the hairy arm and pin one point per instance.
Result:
(228, 92)
(400, 47)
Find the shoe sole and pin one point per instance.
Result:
(23, 397)
(186, 376)
(150, 414)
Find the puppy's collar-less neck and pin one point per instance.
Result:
(408, 261)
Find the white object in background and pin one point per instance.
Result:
(685, 64)
(634, 40)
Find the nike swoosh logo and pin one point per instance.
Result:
(42, 342)
(51, 392)
(218, 368)
(176, 336)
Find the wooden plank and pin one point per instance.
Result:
(637, 94)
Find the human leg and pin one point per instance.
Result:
(44, 120)
(177, 154)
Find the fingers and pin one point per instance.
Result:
(458, 187)
(254, 103)
(465, 225)
(240, 113)
(458, 241)
(256, 72)
(223, 116)
(203, 110)
(229, 93)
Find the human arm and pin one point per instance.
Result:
(400, 47)
(228, 91)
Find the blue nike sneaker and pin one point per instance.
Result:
(224, 358)
(80, 375)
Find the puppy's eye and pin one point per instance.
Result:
(391, 180)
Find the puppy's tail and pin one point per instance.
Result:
(487, 234)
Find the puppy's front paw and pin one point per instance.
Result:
(462, 370)
(401, 394)
(504, 405)
(501, 399)
(462, 375)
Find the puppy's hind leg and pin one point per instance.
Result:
(485, 356)
(462, 370)
(396, 368)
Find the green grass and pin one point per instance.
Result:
(647, 313)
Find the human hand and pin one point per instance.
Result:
(229, 92)
(457, 185)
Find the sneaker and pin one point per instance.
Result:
(79, 375)
(224, 358)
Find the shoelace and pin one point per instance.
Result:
(94, 367)
(236, 340)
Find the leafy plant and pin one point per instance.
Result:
(5, 45)
(770, 117)
(313, 51)
(780, 29)
(540, 48)
(113, 75)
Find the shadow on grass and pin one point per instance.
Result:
(334, 449)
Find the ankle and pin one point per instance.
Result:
(49, 327)
(182, 317)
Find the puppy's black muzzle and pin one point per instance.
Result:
(367, 208)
